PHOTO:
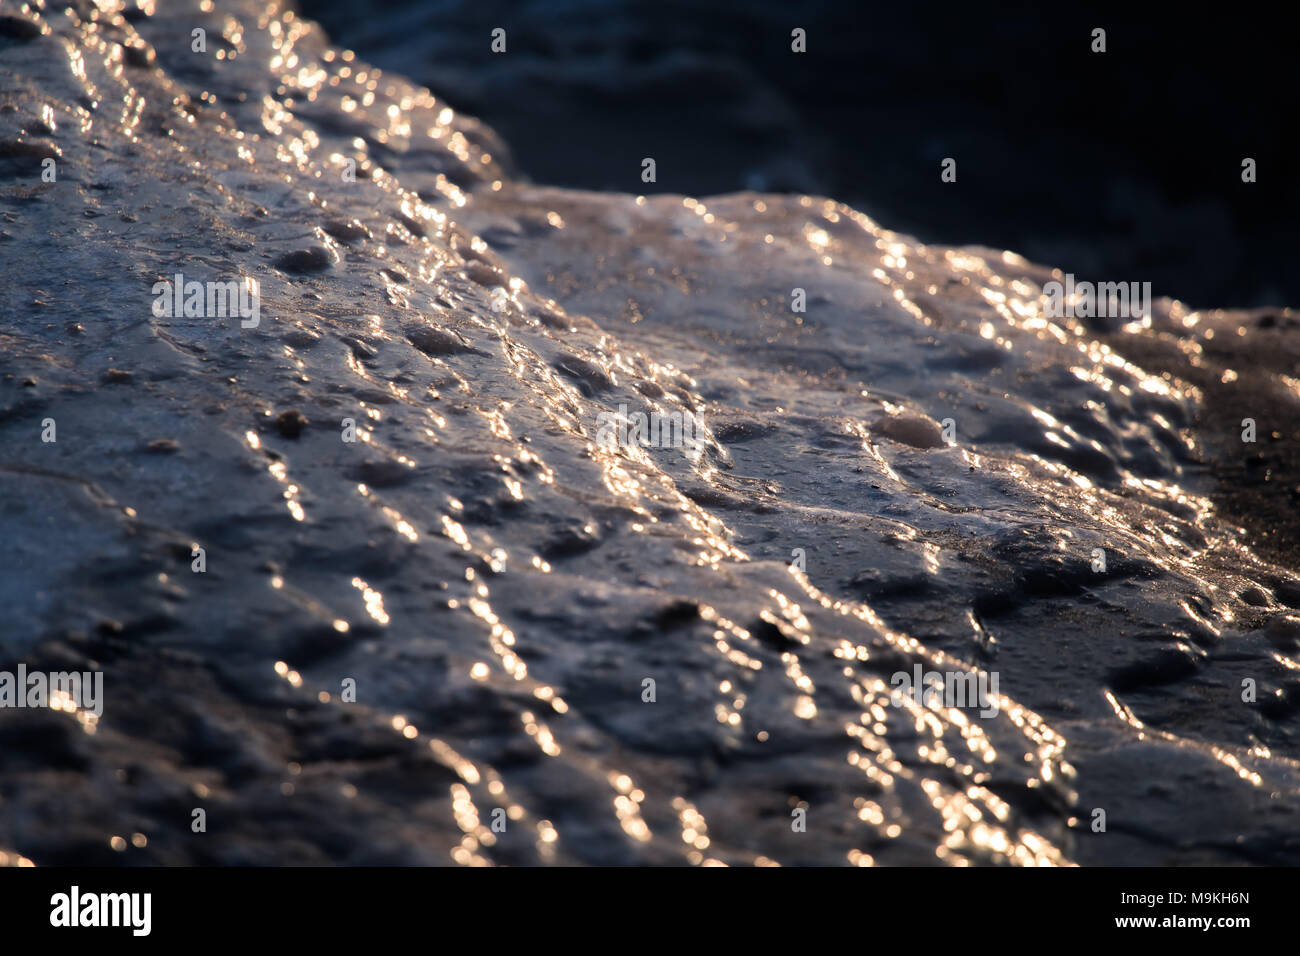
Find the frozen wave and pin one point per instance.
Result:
(499, 584)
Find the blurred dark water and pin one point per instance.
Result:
(1122, 166)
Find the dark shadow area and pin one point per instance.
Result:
(1123, 165)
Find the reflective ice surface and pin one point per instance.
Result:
(498, 584)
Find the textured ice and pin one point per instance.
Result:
(498, 584)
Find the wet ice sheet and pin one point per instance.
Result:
(498, 584)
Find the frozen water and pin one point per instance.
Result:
(920, 469)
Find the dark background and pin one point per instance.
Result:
(1122, 166)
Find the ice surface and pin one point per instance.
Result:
(499, 584)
